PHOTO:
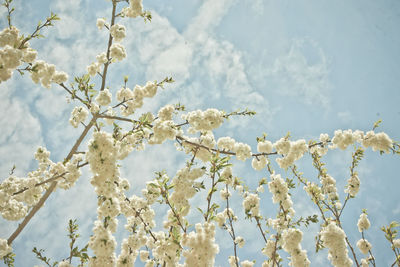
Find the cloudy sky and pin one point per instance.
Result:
(307, 67)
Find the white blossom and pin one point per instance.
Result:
(118, 32)
(117, 51)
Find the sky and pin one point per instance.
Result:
(307, 67)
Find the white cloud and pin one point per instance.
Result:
(51, 104)
(209, 16)
(302, 72)
(344, 116)
(257, 6)
(20, 133)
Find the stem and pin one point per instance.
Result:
(209, 196)
(369, 251)
(261, 230)
(232, 229)
(116, 118)
(55, 177)
(110, 39)
(73, 95)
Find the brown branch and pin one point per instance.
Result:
(220, 151)
(55, 177)
(33, 211)
(104, 116)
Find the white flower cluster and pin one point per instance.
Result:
(95, 67)
(11, 55)
(314, 191)
(396, 243)
(117, 51)
(102, 156)
(117, 31)
(15, 206)
(221, 217)
(363, 222)
(333, 237)
(264, 146)
(204, 120)
(4, 248)
(270, 250)
(343, 139)
(225, 193)
(202, 246)
(104, 97)
(321, 149)
(247, 263)
(353, 185)
(135, 9)
(280, 193)
(103, 244)
(239, 241)
(378, 141)
(291, 244)
(166, 112)
(46, 74)
(130, 247)
(226, 143)
(64, 263)
(183, 189)
(78, 115)
(206, 140)
(243, 151)
(232, 261)
(163, 130)
(100, 23)
(364, 246)
(251, 204)
(329, 187)
(72, 170)
(129, 141)
(292, 151)
(133, 99)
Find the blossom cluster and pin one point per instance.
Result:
(12, 54)
(378, 141)
(135, 9)
(46, 74)
(133, 99)
(292, 151)
(353, 185)
(78, 115)
(102, 157)
(202, 247)
(204, 120)
(184, 190)
(333, 237)
(291, 244)
(242, 151)
(280, 193)
(18, 194)
(251, 204)
(117, 31)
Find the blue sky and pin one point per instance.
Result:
(307, 67)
